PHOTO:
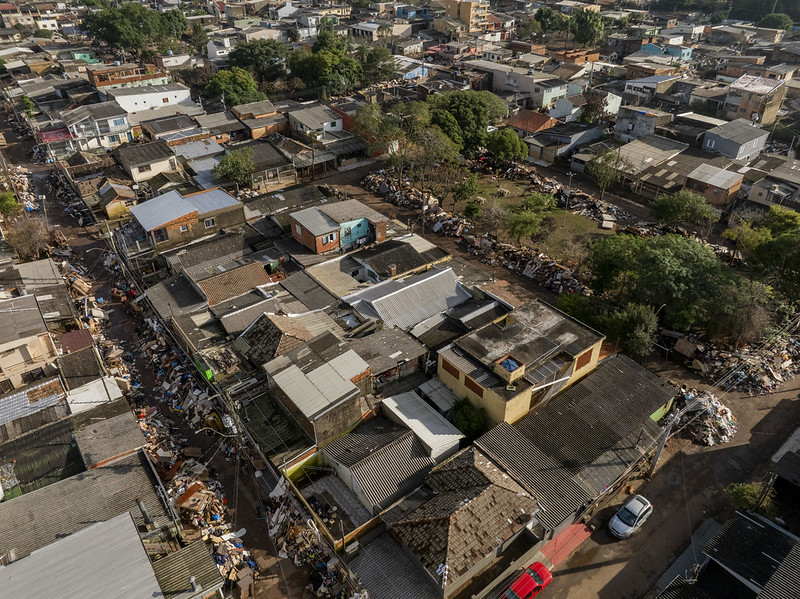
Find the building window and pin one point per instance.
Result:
(710, 143)
(185, 228)
(583, 359)
(473, 386)
(329, 238)
(144, 168)
(450, 369)
(118, 122)
(298, 229)
(209, 222)
(332, 124)
(114, 139)
(165, 100)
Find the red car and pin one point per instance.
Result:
(529, 584)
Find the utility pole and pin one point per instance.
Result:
(671, 422)
(566, 199)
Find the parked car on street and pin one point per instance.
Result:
(529, 584)
(630, 517)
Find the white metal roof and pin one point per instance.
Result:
(324, 386)
(165, 208)
(435, 432)
(715, 176)
(104, 560)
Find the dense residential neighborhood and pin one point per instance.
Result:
(461, 299)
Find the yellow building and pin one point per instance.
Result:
(473, 13)
(519, 361)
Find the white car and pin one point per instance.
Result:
(630, 517)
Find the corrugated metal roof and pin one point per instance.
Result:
(104, 560)
(785, 582)
(751, 547)
(718, 177)
(20, 318)
(43, 516)
(364, 440)
(99, 441)
(173, 571)
(406, 303)
(34, 398)
(435, 432)
(392, 471)
(323, 387)
(567, 452)
(317, 223)
(165, 208)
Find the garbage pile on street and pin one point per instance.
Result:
(193, 490)
(709, 422)
(298, 539)
(755, 371)
(22, 183)
(398, 192)
(68, 199)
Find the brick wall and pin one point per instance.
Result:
(304, 236)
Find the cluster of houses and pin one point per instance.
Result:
(355, 341)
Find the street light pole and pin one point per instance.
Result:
(570, 174)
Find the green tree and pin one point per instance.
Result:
(587, 26)
(332, 72)
(745, 496)
(780, 220)
(606, 169)
(468, 419)
(378, 65)
(27, 105)
(465, 189)
(474, 111)
(505, 144)
(449, 126)
(176, 23)
(236, 85)
(328, 40)
(777, 20)
(612, 260)
(198, 38)
(293, 34)
(8, 203)
(595, 108)
(524, 224)
(43, 33)
(683, 206)
(132, 27)
(472, 210)
(432, 150)
(537, 202)
(237, 166)
(551, 20)
(265, 59)
(529, 30)
(635, 326)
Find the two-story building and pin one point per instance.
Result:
(27, 352)
(740, 139)
(338, 226)
(103, 125)
(634, 122)
(519, 361)
(755, 98)
(145, 161)
(260, 118)
(171, 220)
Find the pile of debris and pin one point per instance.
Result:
(22, 182)
(755, 371)
(298, 539)
(708, 421)
(398, 192)
(196, 495)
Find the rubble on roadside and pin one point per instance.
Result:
(755, 371)
(709, 422)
